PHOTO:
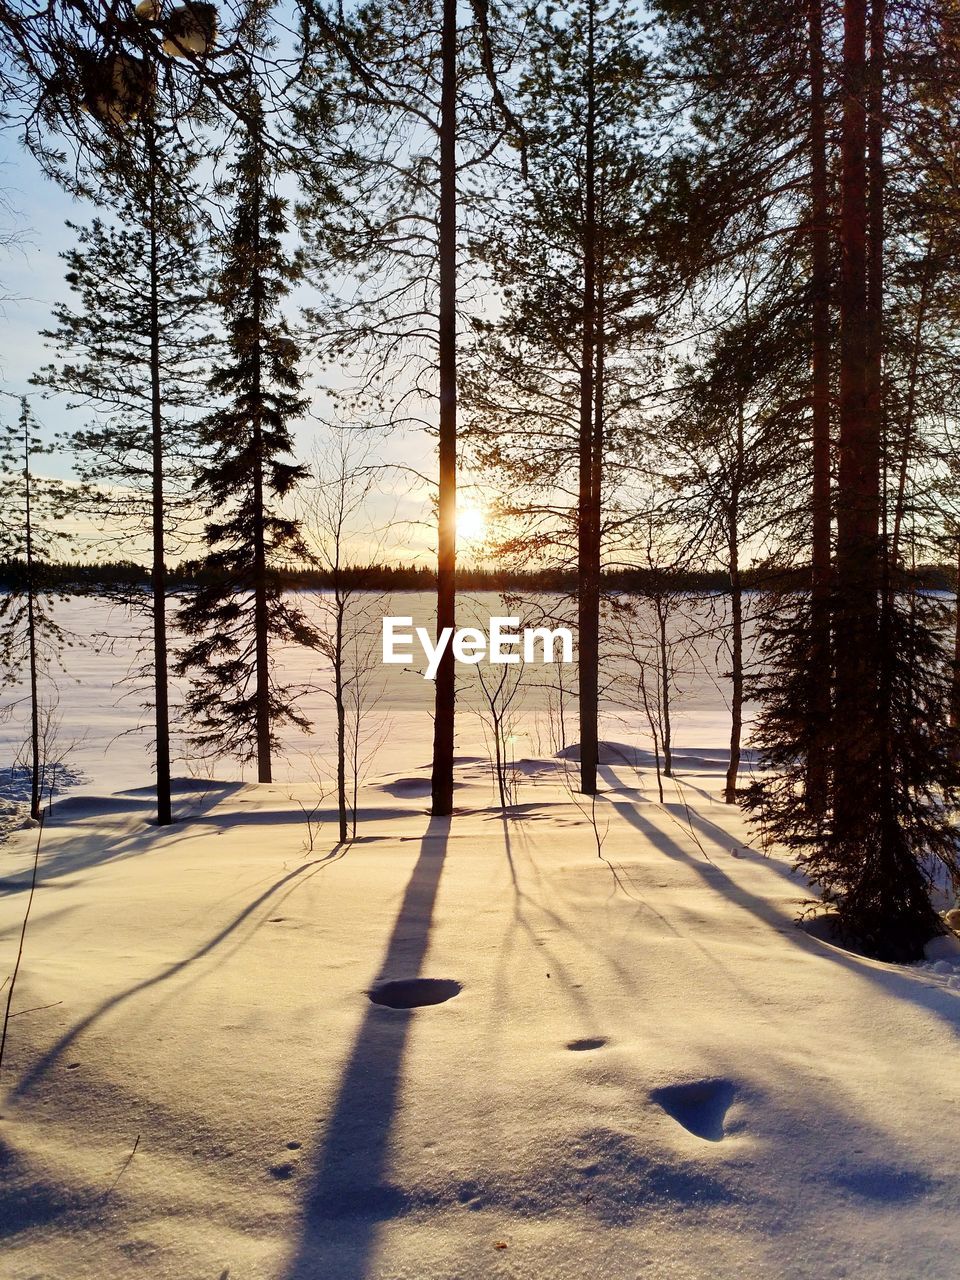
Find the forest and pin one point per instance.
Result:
(639, 318)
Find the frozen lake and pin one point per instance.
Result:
(99, 694)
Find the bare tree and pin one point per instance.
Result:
(334, 511)
(501, 691)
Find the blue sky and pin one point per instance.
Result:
(31, 276)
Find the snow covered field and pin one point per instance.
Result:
(100, 694)
(642, 1067)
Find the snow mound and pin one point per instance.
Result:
(945, 947)
(605, 1174)
(610, 753)
(411, 787)
(15, 794)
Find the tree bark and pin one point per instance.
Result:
(158, 577)
(736, 679)
(736, 620)
(856, 748)
(876, 181)
(856, 615)
(588, 576)
(260, 612)
(664, 652)
(340, 708)
(35, 762)
(817, 781)
(445, 697)
(876, 184)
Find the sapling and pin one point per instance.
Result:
(334, 512)
(30, 636)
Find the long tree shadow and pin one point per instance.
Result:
(36, 1073)
(85, 848)
(903, 983)
(350, 1190)
(686, 816)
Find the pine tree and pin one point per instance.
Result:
(233, 621)
(570, 249)
(421, 110)
(862, 786)
(731, 408)
(30, 636)
(130, 348)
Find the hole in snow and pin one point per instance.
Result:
(700, 1107)
(579, 1046)
(411, 993)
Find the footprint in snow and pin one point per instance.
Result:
(700, 1106)
(414, 993)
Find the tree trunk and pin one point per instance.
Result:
(736, 625)
(955, 679)
(261, 620)
(876, 183)
(875, 230)
(820, 690)
(856, 737)
(445, 701)
(341, 718)
(736, 678)
(35, 761)
(736, 611)
(158, 578)
(664, 652)
(588, 576)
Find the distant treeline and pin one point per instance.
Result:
(121, 575)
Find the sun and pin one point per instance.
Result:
(471, 524)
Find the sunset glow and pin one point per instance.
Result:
(471, 524)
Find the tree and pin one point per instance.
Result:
(891, 755)
(860, 788)
(30, 636)
(733, 404)
(235, 618)
(654, 638)
(421, 110)
(131, 347)
(75, 78)
(333, 506)
(556, 385)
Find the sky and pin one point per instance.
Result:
(31, 280)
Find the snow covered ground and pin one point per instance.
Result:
(99, 695)
(641, 1067)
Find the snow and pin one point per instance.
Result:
(99, 702)
(943, 949)
(636, 1063)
